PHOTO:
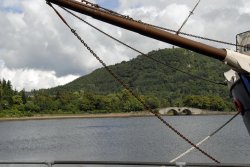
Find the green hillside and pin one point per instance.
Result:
(157, 85)
(150, 78)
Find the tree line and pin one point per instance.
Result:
(14, 103)
(18, 104)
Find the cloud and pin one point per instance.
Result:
(32, 79)
(34, 38)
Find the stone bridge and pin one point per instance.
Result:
(180, 111)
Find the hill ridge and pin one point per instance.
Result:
(148, 77)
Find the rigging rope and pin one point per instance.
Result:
(159, 27)
(130, 90)
(140, 52)
(205, 139)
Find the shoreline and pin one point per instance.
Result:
(109, 115)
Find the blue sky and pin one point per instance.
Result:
(110, 4)
(11, 9)
(11, 6)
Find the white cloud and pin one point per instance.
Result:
(176, 12)
(32, 79)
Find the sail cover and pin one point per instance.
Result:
(246, 82)
(243, 42)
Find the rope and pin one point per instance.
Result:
(159, 27)
(130, 90)
(205, 139)
(185, 21)
(140, 52)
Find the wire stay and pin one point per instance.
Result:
(140, 52)
(121, 82)
(159, 27)
(205, 139)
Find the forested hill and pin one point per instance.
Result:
(157, 85)
(151, 78)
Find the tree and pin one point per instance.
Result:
(17, 99)
(152, 102)
(84, 104)
(24, 97)
(205, 102)
(9, 86)
(30, 106)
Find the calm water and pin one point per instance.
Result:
(125, 139)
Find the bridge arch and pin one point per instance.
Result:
(175, 112)
(186, 111)
(181, 111)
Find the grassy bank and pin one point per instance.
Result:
(75, 116)
(106, 115)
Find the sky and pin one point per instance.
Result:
(38, 51)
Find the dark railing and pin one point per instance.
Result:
(122, 163)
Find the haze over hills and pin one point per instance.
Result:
(148, 77)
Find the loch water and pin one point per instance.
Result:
(123, 139)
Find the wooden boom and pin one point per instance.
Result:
(142, 28)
